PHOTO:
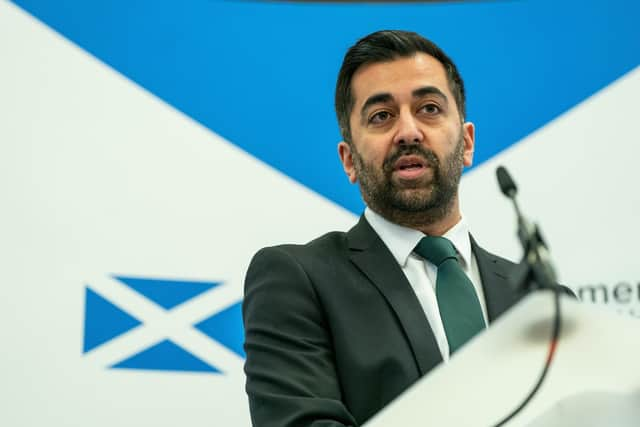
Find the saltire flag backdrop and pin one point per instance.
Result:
(148, 149)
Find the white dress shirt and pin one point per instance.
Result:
(421, 274)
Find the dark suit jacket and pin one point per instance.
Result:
(334, 331)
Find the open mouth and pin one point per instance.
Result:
(410, 166)
(410, 163)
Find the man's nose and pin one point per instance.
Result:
(408, 130)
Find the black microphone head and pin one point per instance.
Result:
(507, 186)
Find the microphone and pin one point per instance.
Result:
(507, 186)
(536, 254)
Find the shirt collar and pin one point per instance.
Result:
(402, 240)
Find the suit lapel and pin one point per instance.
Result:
(369, 253)
(494, 273)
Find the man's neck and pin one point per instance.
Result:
(441, 227)
(426, 221)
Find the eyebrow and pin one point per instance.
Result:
(429, 90)
(378, 98)
(381, 98)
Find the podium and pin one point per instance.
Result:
(594, 379)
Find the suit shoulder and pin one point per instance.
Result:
(509, 267)
(332, 242)
(480, 252)
(501, 260)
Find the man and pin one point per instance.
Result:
(337, 328)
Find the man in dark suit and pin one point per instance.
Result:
(337, 328)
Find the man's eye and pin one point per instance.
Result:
(430, 109)
(380, 117)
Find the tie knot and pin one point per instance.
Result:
(436, 249)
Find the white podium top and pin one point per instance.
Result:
(594, 379)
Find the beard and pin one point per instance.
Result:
(413, 203)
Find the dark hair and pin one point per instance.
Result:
(384, 46)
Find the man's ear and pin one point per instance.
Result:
(469, 141)
(346, 157)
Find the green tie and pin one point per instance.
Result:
(457, 300)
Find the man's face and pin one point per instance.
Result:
(409, 144)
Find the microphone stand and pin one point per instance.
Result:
(535, 271)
